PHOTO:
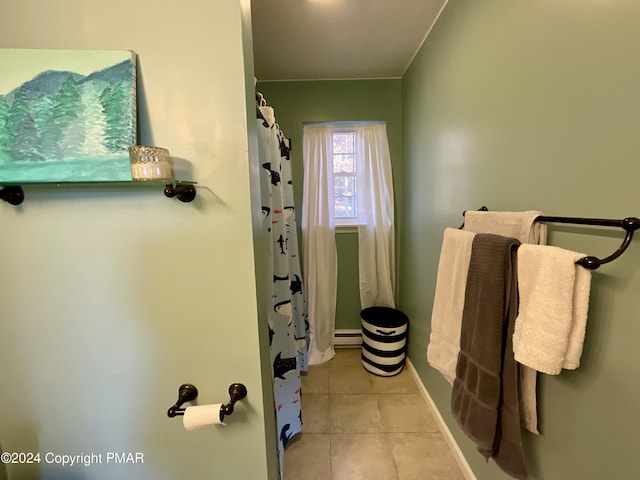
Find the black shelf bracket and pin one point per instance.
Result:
(185, 192)
(12, 194)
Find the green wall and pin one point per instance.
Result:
(534, 105)
(113, 296)
(328, 101)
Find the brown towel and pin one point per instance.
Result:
(485, 392)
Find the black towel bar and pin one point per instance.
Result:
(629, 224)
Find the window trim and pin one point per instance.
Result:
(353, 228)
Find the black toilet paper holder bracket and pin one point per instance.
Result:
(188, 393)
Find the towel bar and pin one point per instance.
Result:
(629, 224)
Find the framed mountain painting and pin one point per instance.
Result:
(66, 115)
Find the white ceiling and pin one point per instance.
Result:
(338, 39)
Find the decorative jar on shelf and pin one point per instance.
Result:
(150, 163)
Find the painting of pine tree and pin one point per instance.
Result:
(66, 115)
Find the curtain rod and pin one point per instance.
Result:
(629, 224)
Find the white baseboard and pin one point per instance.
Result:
(446, 433)
(347, 338)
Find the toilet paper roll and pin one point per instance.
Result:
(201, 416)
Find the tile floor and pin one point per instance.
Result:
(358, 426)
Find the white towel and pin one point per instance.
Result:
(448, 302)
(554, 300)
(523, 226)
(520, 225)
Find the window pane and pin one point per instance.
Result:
(344, 186)
(343, 142)
(345, 207)
(344, 180)
(343, 162)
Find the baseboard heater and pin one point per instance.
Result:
(347, 338)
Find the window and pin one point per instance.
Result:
(347, 176)
(345, 198)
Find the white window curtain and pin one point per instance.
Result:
(376, 231)
(376, 238)
(320, 258)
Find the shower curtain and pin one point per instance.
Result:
(287, 318)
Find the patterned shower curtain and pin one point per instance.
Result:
(288, 318)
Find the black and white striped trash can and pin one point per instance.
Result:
(384, 340)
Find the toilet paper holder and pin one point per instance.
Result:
(188, 393)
